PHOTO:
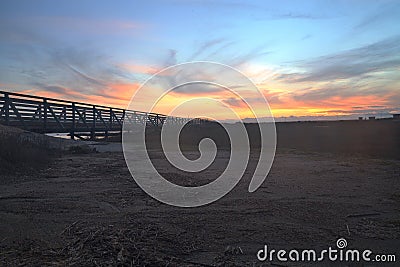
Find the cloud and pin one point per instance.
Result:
(16, 31)
(86, 69)
(81, 25)
(273, 97)
(357, 80)
(56, 91)
(73, 73)
(305, 37)
(369, 59)
(198, 89)
(206, 46)
(86, 77)
(139, 69)
(292, 15)
(269, 14)
(384, 12)
(115, 95)
(40, 58)
(53, 88)
(217, 4)
(365, 77)
(234, 102)
(219, 50)
(366, 111)
(256, 53)
(119, 91)
(217, 47)
(171, 58)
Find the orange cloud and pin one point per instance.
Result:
(141, 69)
(115, 95)
(285, 98)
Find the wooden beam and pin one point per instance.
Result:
(15, 110)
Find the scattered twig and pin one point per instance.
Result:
(196, 263)
(348, 230)
(69, 227)
(363, 215)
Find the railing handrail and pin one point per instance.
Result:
(80, 103)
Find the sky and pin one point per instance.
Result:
(310, 59)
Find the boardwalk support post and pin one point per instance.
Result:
(72, 133)
(44, 115)
(7, 108)
(93, 132)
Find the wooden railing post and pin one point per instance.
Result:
(123, 119)
(72, 133)
(44, 115)
(111, 118)
(7, 108)
(93, 134)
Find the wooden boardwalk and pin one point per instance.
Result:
(49, 115)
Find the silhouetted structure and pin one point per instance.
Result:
(49, 115)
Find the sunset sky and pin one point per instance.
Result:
(311, 59)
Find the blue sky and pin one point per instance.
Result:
(312, 58)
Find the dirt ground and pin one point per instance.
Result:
(86, 210)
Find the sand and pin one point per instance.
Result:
(85, 209)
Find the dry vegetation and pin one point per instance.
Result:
(21, 153)
(132, 243)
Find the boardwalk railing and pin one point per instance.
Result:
(49, 115)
